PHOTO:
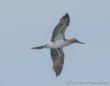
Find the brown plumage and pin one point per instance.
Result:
(57, 56)
(57, 43)
(61, 26)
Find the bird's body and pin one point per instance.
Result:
(58, 41)
(58, 44)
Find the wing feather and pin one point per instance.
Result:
(61, 27)
(57, 56)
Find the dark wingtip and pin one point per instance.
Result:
(57, 75)
(66, 13)
(65, 16)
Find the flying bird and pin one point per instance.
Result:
(58, 41)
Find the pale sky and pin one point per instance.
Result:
(28, 23)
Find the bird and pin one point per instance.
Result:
(58, 41)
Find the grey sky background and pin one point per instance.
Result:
(28, 23)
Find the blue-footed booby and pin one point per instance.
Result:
(58, 41)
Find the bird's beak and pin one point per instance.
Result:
(81, 42)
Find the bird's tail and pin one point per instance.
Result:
(39, 47)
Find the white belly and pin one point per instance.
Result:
(58, 44)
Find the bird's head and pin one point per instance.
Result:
(74, 40)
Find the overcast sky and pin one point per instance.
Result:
(28, 23)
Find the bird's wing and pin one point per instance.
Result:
(57, 56)
(59, 30)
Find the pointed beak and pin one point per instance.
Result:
(80, 42)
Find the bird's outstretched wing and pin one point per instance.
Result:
(59, 30)
(57, 56)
